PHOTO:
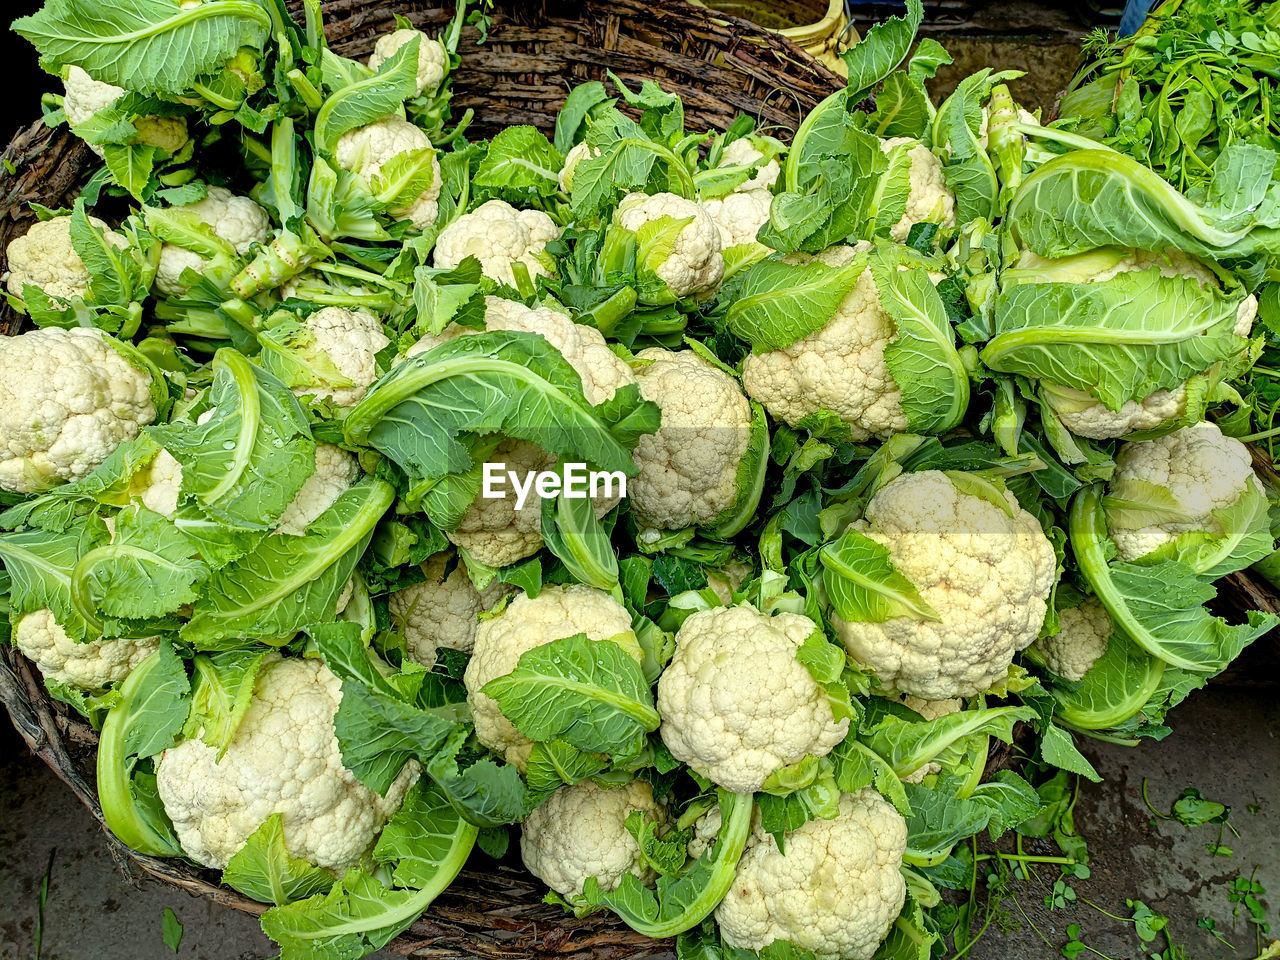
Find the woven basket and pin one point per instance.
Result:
(721, 66)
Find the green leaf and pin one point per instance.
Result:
(1115, 688)
(880, 50)
(902, 108)
(263, 869)
(223, 689)
(113, 273)
(863, 585)
(292, 354)
(487, 793)
(577, 538)
(907, 745)
(379, 734)
(779, 303)
(749, 481)
(582, 99)
(591, 694)
(171, 930)
(444, 297)
(131, 165)
(521, 158)
(147, 46)
(40, 565)
(404, 178)
(370, 99)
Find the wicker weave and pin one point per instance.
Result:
(720, 66)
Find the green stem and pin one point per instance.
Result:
(312, 97)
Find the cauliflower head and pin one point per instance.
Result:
(1082, 638)
(930, 199)
(85, 96)
(44, 257)
(87, 666)
(739, 216)
(161, 484)
(1198, 467)
(493, 531)
(366, 150)
(498, 235)
(987, 573)
(580, 832)
(694, 266)
(840, 368)
(689, 468)
(68, 398)
(283, 759)
(237, 220)
(577, 153)
(352, 340)
(742, 152)
(528, 622)
(735, 702)
(433, 61)
(441, 611)
(836, 890)
(336, 471)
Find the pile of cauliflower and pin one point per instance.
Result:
(244, 438)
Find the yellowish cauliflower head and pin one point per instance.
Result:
(579, 832)
(237, 220)
(985, 573)
(695, 265)
(688, 469)
(283, 759)
(366, 150)
(336, 472)
(44, 257)
(67, 400)
(735, 702)
(1080, 641)
(352, 340)
(1202, 470)
(930, 200)
(576, 155)
(836, 891)
(441, 611)
(432, 59)
(839, 368)
(498, 235)
(85, 96)
(86, 666)
(528, 622)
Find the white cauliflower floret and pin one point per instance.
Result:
(694, 266)
(336, 471)
(85, 96)
(736, 704)
(528, 622)
(1198, 468)
(44, 257)
(432, 58)
(498, 235)
(1082, 638)
(689, 468)
(67, 400)
(441, 611)
(839, 368)
(930, 200)
(352, 340)
(742, 152)
(87, 666)
(283, 759)
(577, 153)
(739, 216)
(492, 530)
(985, 573)
(237, 220)
(366, 150)
(580, 832)
(162, 484)
(836, 891)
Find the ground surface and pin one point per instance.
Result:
(1227, 745)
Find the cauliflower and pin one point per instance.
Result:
(693, 265)
(742, 152)
(441, 611)
(336, 470)
(689, 468)
(739, 216)
(85, 96)
(839, 368)
(161, 485)
(1082, 638)
(351, 339)
(986, 572)
(87, 666)
(736, 704)
(1198, 469)
(576, 155)
(68, 398)
(283, 759)
(528, 622)
(366, 150)
(836, 890)
(498, 235)
(433, 60)
(930, 200)
(493, 531)
(44, 257)
(580, 832)
(237, 220)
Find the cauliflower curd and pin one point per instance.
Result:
(88, 666)
(498, 235)
(442, 611)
